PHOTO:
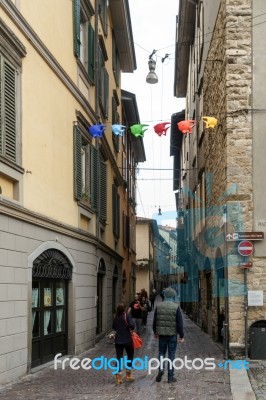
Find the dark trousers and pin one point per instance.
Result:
(152, 304)
(144, 317)
(120, 350)
(168, 343)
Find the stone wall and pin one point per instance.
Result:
(228, 147)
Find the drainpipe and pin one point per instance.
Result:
(226, 294)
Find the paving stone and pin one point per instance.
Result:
(50, 384)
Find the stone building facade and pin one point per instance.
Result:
(218, 70)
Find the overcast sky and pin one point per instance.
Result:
(153, 24)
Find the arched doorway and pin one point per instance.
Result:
(100, 288)
(51, 273)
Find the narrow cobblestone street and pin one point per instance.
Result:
(81, 384)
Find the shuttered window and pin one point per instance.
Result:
(76, 27)
(94, 178)
(98, 184)
(103, 191)
(103, 80)
(91, 60)
(84, 36)
(77, 163)
(8, 115)
(116, 211)
(115, 120)
(115, 61)
(82, 166)
(103, 14)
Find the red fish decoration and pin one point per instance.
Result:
(161, 128)
(186, 126)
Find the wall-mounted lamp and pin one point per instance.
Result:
(152, 77)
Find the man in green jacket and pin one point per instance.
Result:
(167, 323)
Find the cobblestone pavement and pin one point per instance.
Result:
(67, 384)
(257, 377)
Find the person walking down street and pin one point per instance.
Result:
(147, 308)
(152, 298)
(122, 325)
(135, 309)
(167, 323)
(143, 293)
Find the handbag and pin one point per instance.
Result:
(137, 341)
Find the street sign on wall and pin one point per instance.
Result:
(255, 297)
(245, 248)
(234, 236)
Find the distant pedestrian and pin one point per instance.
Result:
(143, 293)
(167, 323)
(122, 326)
(135, 309)
(147, 308)
(153, 297)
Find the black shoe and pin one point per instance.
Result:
(172, 380)
(159, 376)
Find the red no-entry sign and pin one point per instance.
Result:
(245, 248)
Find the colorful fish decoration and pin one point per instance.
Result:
(138, 129)
(210, 122)
(96, 130)
(118, 129)
(186, 126)
(161, 128)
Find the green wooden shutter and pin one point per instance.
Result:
(118, 216)
(116, 210)
(106, 92)
(114, 191)
(10, 111)
(103, 187)
(76, 27)
(115, 121)
(94, 178)
(91, 60)
(77, 164)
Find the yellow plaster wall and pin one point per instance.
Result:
(48, 116)
(52, 20)
(6, 186)
(142, 241)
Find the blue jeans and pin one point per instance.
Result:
(168, 343)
